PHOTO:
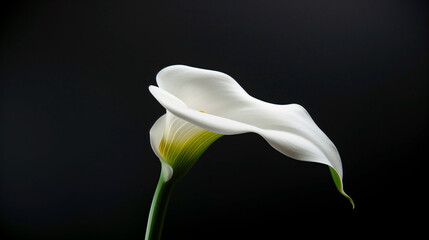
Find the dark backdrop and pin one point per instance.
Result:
(76, 160)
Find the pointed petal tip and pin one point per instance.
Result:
(353, 204)
(339, 184)
(349, 198)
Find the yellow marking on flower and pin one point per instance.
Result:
(202, 111)
(183, 145)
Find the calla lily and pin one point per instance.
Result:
(202, 105)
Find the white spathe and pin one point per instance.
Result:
(215, 102)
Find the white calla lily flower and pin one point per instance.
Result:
(203, 105)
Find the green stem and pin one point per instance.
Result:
(158, 208)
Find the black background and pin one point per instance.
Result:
(76, 159)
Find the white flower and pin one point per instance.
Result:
(203, 105)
